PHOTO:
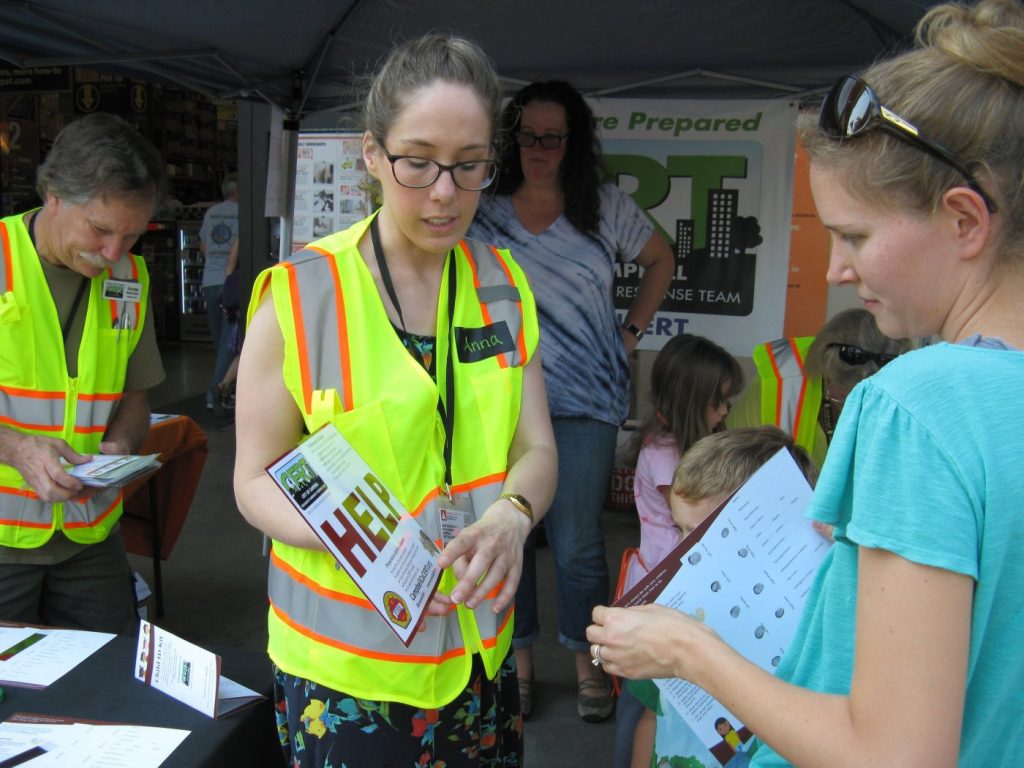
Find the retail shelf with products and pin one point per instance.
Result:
(158, 247)
(194, 324)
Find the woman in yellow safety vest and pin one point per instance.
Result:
(420, 347)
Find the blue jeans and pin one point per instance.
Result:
(586, 454)
(219, 330)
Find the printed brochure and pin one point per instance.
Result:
(361, 522)
(745, 572)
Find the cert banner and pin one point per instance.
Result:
(716, 177)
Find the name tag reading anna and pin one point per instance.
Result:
(476, 344)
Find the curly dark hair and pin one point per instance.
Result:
(581, 172)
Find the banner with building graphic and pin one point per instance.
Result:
(716, 177)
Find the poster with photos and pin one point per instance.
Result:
(331, 189)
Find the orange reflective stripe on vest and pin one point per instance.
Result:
(6, 268)
(789, 398)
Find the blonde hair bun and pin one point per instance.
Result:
(988, 36)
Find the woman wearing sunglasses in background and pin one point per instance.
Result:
(567, 230)
(846, 350)
(907, 654)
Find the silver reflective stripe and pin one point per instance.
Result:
(92, 414)
(86, 515)
(318, 309)
(45, 414)
(347, 623)
(344, 622)
(487, 294)
(791, 382)
(76, 515)
(496, 294)
(27, 509)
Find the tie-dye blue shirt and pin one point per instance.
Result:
(571, 276)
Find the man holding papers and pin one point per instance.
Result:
(77, 354)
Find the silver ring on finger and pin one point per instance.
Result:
(598, 661)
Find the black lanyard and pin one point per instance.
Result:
(447, 413)
(66, 326)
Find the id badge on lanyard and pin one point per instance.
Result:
(454, 514)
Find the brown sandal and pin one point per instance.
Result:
(597, 704)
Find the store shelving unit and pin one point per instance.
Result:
(194, 325)
(158, 247)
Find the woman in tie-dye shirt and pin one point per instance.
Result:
(567, 230)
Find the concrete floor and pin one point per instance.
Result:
(215, 579)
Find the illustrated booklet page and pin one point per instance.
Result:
(363, 525)
(188, 673)
(745, 572)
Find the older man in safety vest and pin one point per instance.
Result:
(77, 355)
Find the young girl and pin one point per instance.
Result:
(906, 651)
(692, 380)
(362, 330)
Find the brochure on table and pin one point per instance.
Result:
(371, 535)
(35, 657)
(745, 572)
(37, 741)
(188, 673)
(103, 470)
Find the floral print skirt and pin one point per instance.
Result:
(481, 728)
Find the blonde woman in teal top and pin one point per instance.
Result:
(907, 654)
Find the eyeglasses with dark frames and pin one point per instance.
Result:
(854, 355)
(420, 172)
(525, 139)
(853, 109)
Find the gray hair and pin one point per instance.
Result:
(100, 154)
(858, 328)
(416, 64)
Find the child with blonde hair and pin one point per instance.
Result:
(705, 477)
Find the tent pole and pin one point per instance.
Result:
(290, 144)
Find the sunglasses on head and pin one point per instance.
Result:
(853, 355)
(852, 109)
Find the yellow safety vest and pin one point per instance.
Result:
(38, 397)
(789, 398)
(320, 625)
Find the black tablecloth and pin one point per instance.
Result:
(103, 688)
